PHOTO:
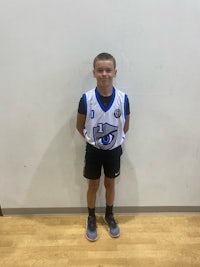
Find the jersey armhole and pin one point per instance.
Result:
(125, 104)
(85, 102)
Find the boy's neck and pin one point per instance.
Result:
(104, 91)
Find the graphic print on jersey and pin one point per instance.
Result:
(105, 135)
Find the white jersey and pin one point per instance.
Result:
(104, 126)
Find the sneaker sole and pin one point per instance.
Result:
(91, 240)
(113, 236)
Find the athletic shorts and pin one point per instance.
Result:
(96, 158)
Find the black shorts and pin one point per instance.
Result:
(96, 158)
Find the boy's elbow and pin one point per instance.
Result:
(126, 125)
(126, 129)
(80, 129)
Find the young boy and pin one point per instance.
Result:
(103, 120)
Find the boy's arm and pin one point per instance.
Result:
(80, 123)
(126, 125)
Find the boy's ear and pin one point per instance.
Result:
(93, 73)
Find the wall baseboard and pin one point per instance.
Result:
(83, 210)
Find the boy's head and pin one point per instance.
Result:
(104, 71)
(104, 56)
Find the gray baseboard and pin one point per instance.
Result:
(83, 210)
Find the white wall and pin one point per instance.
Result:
(46, 53)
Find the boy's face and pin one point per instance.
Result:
(104, 72)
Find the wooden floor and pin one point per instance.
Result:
(165, 240)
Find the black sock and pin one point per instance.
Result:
(91, 212)
(109, 210)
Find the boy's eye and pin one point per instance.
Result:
(107, 70)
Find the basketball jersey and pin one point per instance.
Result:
(104, 126)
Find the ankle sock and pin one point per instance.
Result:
(109, 210)
(91, 212)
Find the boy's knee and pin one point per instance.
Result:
(93, 185)
(109, 183)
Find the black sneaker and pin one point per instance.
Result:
(113, 227)
(91, 231)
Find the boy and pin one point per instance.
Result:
(103, 120)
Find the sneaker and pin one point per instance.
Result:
(113, 228)
(91, 232)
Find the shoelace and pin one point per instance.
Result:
(111, 221)
(92, 223)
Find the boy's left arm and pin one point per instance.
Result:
(126, 125)
(80, 123)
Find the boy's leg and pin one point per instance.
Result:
(109, 184)
(92, 171)
(93, 186)
(91, 232)
(111, 164)
(109, 218)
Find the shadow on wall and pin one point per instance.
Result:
(127, 185)
(58, 180)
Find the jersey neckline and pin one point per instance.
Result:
(105, 109)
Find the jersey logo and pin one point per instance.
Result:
(117, 113)
(105, 135)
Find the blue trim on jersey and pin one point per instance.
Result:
(125, 105)
(105, 109)
(85, 102)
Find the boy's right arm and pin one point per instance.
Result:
(80, 123)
